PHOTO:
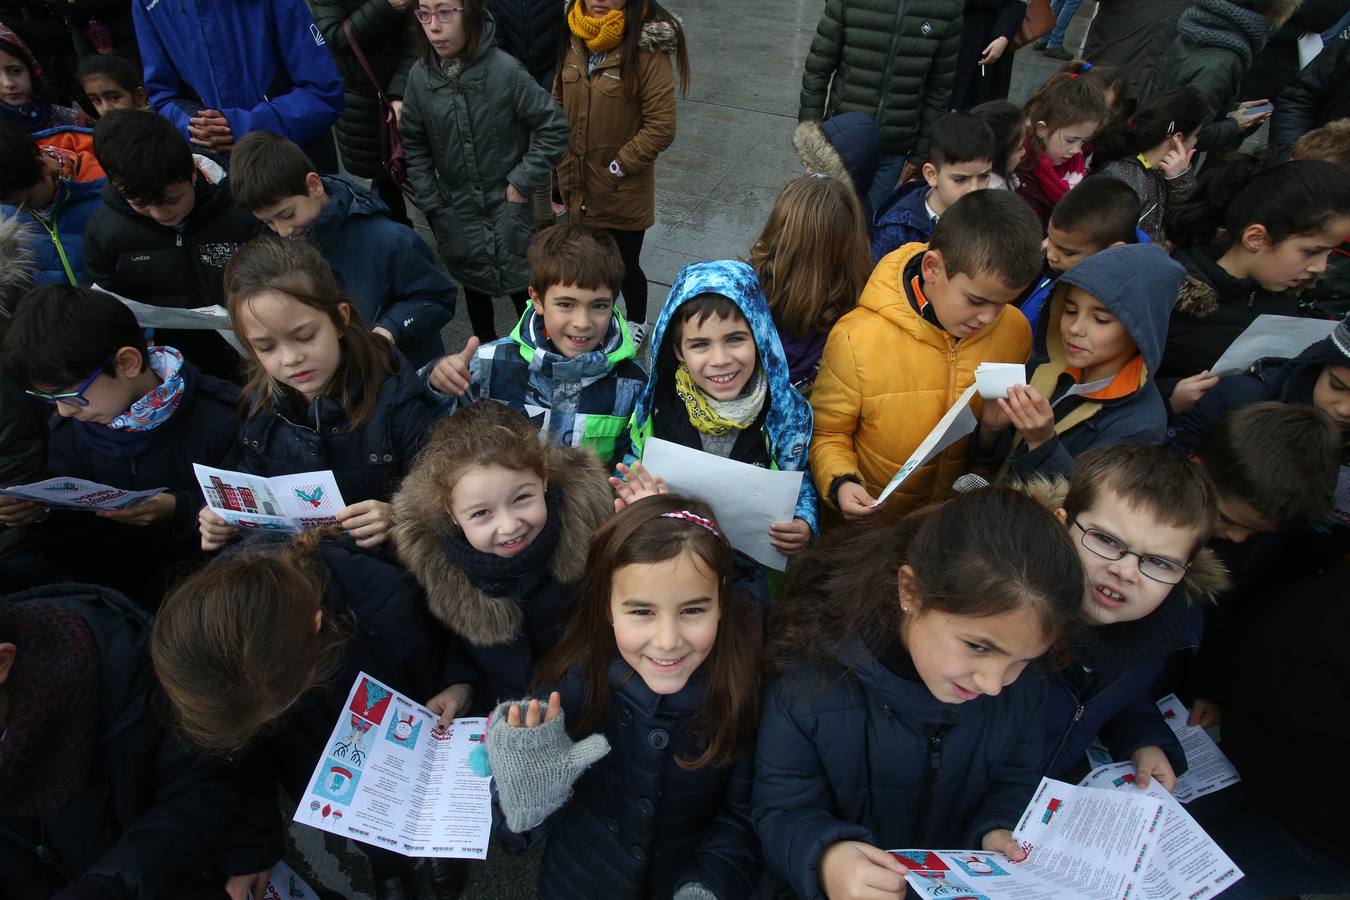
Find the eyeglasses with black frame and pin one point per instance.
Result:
(75, 397)
(443, 13)
(1108, 546)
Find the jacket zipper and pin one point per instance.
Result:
(930, 776)
(53, 232)
(890, 61)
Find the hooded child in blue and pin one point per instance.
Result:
(1094, 361)
(766, 422)
(904, 218)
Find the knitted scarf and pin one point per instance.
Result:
(1057, 180)
(50, 731)
(1224, 24)
(511, 576)
(600, 35)
(718, 417)
(156, 407)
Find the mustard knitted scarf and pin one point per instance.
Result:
(600, 35)
(718, 417)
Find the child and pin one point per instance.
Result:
(899, 718)
(1093, 386)
(257, 651)
(719, 383)
(892, 367)
(23, 100)
(1141, 516)
(659, 665)
(97, 797)
(1005, 120)
(846, 147)
(960, 160)
(812, 263)
(1062, 115)
(1101, 212)
(126, 415)
(481, 137)
(1280, 224)
(571, 358)
(165, 231)
(383, 266)
(1151, 152)
(1330, 295)
(32, 188)
(110, 81)
(616, 84)
(494, 526)
(323, 391)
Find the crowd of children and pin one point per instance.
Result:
(667, 717)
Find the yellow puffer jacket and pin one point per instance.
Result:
(886, 378)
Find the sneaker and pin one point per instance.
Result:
(1058, 53)
(639, 332)
(1040, 45)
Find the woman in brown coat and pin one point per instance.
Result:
(617, 85)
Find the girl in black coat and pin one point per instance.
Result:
(323, 391)
(900, 718)
(657, 678)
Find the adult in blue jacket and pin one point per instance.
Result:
(219, 69)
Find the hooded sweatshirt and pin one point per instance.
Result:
(1137, 283)
(785, 423)
(902, 219)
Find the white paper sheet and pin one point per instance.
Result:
(955, 424)
(1282, 336)
(1186, 863)
(744, 498)
(284, 884)
(391, 779)
(1208, 770)
(203, 318)
(286, 503)
(77, 493)
(992, 380)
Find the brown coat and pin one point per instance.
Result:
(608, 126)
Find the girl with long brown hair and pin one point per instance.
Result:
(657, 679)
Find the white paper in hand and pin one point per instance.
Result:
(1280, 336)
(744, 498)
(992, 380)
(77, 493)
(955, 424)
(206, 318)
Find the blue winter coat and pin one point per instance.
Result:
(385, 268)
(57, 241)
(865, 753)
(368, 462)
(787, 418)
(902, 219)
(263, 64)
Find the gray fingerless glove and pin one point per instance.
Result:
(694, 891)
(535, 768)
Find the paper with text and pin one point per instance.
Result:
(203, 318)
(77, 493)
(955, 424)
(1279, 336)
(284, 884)
(1208, 770)
(288, 504)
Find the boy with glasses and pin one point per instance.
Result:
(126, 415)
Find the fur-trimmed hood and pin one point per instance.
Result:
(657, 35)
(1196, 298)
(422, 524)
(1207, 577)
(17, 262)
(846, 146)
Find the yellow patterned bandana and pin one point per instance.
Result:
(600, 35)
(717, 417)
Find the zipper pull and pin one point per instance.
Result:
(1078, 713)
(178, 239)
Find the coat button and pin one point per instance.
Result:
(374, 457)
(657, 739)
(612, 825)
(625, 717)
(646, 808)
(638, 853)
(951, 715)
(313, 451)
(389, 457)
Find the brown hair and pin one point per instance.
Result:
(629, 48)
(296, 269)
(990, 231)
(265, 168)
(574, 254)
(1064, 99)
(813, 257)
(1152, 479)
(643, 533)
(1331, 142)
(486, 433)
(235, 645)
(983, 553)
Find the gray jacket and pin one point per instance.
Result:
(467, 136)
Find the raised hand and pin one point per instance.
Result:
(1177, 159)
(635, 484)
(450, 375)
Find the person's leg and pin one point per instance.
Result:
(393, 198)
(481, 317)
(887, 177)
(634, 279)
(1064, 13)
(518, 300)
(1055, 7)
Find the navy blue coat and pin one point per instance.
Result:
(367, 462)
(902, 219)
(867, 754)
(857, 141)
(639, 825)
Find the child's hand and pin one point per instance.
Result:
(450, 703)
(450, 375)
(156, 509)
(515, 196)
(1151, 763)
(1030, 414)
(533, 718)
(1189, 391)
(368, 521)
(855, 504)
(852, 870)
(635, 484)
(1002, 841)
(241, 887)
(216, 532)
(1205, 713)
(1177, 159)
(790, 537)
(16, 513)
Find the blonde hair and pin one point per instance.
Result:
(1331, 142)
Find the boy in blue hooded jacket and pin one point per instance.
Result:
(719, 383)
(1093, 364)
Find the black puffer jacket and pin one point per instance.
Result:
(531, 31)
(384, 35)
(1319, 95)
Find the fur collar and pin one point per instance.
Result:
(817, 152)
(657, 36)
(421, 523)
(1197, 298)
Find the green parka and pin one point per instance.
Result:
(891, 59)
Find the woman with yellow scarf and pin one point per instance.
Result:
(616, 82)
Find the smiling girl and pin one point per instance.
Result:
(1062, 116)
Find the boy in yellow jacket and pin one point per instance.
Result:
(892, 367)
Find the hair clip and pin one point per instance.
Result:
(1073, 74)
(687, 516)
(1171, 126)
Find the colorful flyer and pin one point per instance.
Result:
(287, 503)
(1208, 770)
(392, 779)
(77, 493)
(284, 884)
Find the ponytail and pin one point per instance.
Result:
(1179, 111)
